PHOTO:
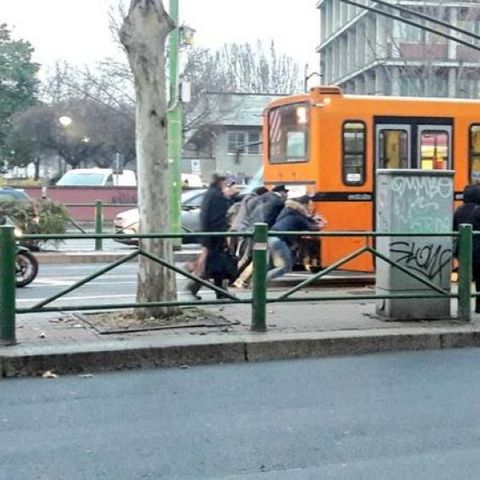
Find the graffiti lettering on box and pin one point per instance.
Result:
(427, 259)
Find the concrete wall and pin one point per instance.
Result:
(80, 201)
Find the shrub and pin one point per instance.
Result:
(36, 217)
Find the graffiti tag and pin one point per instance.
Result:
(427, 259)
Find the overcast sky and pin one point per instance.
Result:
(77, 30)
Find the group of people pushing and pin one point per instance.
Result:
(224, 209)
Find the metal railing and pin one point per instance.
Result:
(259, 298)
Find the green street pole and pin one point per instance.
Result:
(98, 224)
(174, 131)
(259, 287)
(7, 285)
(465, 242)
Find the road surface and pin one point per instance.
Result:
(398, 416)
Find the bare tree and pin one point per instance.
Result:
(247, 68)
(143, 34)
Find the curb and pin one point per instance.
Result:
(45, 258)
(23, 360)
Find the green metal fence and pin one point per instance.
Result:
(259, 297)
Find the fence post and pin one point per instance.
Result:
(259, 290)
(465, 243)
(98, 224)
(7, 285)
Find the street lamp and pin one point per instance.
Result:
(65, 121)
(186, 34)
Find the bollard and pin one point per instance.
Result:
(259, 289)
(7, 285)
(465, 243)
(98, 224)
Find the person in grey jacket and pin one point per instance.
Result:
(244, 221)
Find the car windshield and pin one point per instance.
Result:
(13, 195)
(82, 179)
(193, 198)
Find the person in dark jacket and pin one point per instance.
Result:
(295, 217)
(469, 212)
(271, 205)
(213, 218)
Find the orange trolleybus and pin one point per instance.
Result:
(329, 145)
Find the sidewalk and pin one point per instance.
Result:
(62, 343)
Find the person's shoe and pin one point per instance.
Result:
(240, 284)
(193, 288)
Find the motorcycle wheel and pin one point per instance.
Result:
(26, 268)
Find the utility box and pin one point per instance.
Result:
(414, 201)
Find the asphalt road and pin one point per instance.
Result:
(398, 416)
(118, 286)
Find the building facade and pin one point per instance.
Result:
(367, 53)
(229, 139)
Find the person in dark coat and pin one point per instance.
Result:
(213, 218)
(295, 217)
(469, 212)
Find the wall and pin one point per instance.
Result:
(80, 200)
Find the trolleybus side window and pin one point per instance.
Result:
(475, 154)
(434, 148)
(393, 149)
(353, 153)
(288, 133)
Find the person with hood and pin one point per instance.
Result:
(469, 212)
(295, 217)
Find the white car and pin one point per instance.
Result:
(97, 177)
(128, 222)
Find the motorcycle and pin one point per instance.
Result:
(26, 265)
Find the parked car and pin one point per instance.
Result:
(127, 222)
(191, 201)
(8, 193)
(97, 177)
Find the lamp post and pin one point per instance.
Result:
(174, 130)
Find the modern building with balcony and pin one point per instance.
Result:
(366, 53)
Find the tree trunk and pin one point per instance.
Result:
(36, 163)
(143, 35)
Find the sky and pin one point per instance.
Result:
(77, 30)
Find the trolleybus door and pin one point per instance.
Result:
(393, 146)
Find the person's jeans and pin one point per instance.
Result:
(281, 258)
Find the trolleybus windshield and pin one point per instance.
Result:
(288, 133)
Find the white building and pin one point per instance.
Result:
(364, 52)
